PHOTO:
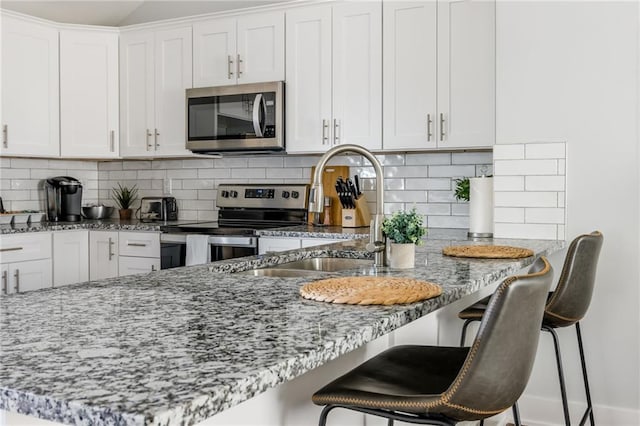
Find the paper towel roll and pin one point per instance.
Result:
(481, 207)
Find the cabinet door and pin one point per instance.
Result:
(70, 257)
(260, 48)
(137, 265)
(30, 89)
(172, 78)
(357, 74)
(137, 111)
(466, 73)
(268, 245)
(4, 279)
(214, 52)
(409, 70)
(88, 94)
(29, 276)
(308, 91)
(103, 254)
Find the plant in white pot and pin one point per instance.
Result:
(405, 230)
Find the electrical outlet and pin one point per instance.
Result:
(168, 185)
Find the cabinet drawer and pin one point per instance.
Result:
(22, 247)
(137, 265)
(139, 244)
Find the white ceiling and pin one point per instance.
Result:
(124, 12)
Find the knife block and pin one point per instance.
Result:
(358, 217)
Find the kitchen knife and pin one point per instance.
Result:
(353, 193)
(339, 192)
(356, 179)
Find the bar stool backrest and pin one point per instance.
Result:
(500, 360)
(570, 300)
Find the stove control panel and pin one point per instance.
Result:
(274, 196)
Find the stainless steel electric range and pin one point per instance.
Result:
(243, 209)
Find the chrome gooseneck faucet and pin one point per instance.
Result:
(377, 241)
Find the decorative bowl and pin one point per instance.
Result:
(97, 212)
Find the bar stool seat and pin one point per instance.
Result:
(444, 385)
(565, 306)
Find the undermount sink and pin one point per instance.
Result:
(311, 266)
(326, 264)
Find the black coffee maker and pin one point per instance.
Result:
(64, 199)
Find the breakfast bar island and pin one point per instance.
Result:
(191, 345)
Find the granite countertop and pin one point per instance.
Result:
(315, 231)
(103, 224)
(178, 346)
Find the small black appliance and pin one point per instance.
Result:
(64, 199)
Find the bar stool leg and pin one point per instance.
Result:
(586, 380)
(516, 414)
(323, 415)
(463, 336)
(390, 422)
(563, 389)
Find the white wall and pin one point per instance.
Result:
(568, 71)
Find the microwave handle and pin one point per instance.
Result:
(259, 106)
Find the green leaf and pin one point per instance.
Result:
(404, 227)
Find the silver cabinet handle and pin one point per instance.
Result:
(442, 133)
(17, 277)
(112, 140)
(136, 244)
(325, 132)
(153, 268)
(10, 249)
(230, 67)
(111, 254)
(155, 138)
(429, 122)
(5, 282)
(336, 131)
(5, 136)
(148, 136)
(238, 66)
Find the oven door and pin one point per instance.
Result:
(173, 248)
(235, 118)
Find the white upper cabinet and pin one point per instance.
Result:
(30, 114)
(409, 71)
(247, 49)
(88, 93)
(334, 76)
(155, 71)
(439, 74)
(466, 73)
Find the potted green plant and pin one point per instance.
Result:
(124, 198)
(405, 230)
(462, 189)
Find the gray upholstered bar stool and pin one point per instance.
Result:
(444, 385)
(565, 307)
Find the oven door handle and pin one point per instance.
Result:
(220, 241)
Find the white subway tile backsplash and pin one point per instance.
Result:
(166, 164)
(182, 174)
(198, 184)
(508, 183)
(73, 164)
(452, 171)
(16, 195)
(508, 152)
(391, 159)
(31, 163)
(472, 158)
(152, 174)
(443, 158)
(248, 173)
(198, 163)
(428, 183)
(435, 209)
(266, 162)
(544, 150)
(18, 184)
(405, 197)
(207, 194)
(529, 231)
(111, 165)
(542, 215)
(16, 174)
(136, 165)
(525, 167)
(460, 222)
(214, 173)
(300, 161)
(460, 209)
(544, 183)
(508, 214)
(196, 205)
(231, 162)
(123, 174)
(441, 197)
(292, 173)
(525, 199)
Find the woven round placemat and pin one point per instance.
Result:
(487, 252)
(370, 290)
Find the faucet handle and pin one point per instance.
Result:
(375, 247)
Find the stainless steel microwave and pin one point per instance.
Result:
(242, 117)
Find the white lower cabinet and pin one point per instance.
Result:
(71, 257)
(312, 242)
(129, 265)
(25, 262)
(103, 254)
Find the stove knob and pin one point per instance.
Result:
(295, 194)
(285, 194)
(225, 194)
(234, 194)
